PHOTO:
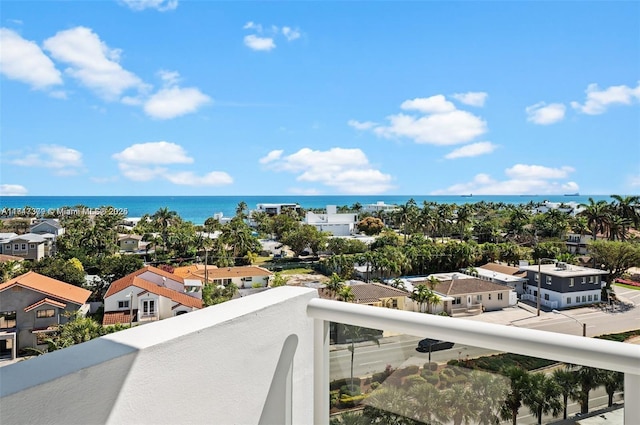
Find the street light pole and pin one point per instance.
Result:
(584, 325)
(130, 296)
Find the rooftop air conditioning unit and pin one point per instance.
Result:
(561, 265)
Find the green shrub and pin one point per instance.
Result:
(334, 397)
(379, 377)
(347, 390)
(433, 379)
(448, 371)
(406, 371)
(338, 383)
(430, 366)
(375, 385)
(414, 379)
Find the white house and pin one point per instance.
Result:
(47, 225)
(338, 224)
(148, 295)
(379, 206)
(242, 277)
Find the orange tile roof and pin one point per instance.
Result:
(115, 317)
(231, 272)
(192, 270)
(6, 258)
(44, 301)
(49, 286)
(131, 280)
(123, 282)
(503, 268)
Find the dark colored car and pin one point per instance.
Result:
(436, 345)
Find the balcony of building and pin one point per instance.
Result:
(263, 359)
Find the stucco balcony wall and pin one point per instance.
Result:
(244, 361)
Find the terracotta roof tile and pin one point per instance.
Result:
(6, 258)
(230, 272)
(468, 286)
(503, 268)
(115, 317)
(132, 280)
(125, 281)
(44, 301)
(49, 286)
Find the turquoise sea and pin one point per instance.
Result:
(198, 208)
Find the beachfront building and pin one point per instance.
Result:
(32, 306)
(275, 209)
(338, 224)
(563, 285)
(379, 207)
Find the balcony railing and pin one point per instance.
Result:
(249, 361)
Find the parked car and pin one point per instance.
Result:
(436, 345)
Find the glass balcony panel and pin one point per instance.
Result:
(388, 378)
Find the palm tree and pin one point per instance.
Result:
(335, 284)
(9, 270)
(346, 294)
(518, 387)
(490, 391)
(588, 378)
(542, 396)
(613, 381)
(462, 403)
(240, 210)
(596, 214)
(628, 207)
(567, 382)
(420, 295)
(357, 333)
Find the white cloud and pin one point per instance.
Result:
(160, 5)
(544, 114)
(522, 171)
(252, 26)
(290, 34)
(154, 153)
(149, 161)
(12, 190)
(173, 102)
(474, 149)
(271, 156)
(634, 181)
(259, 43)
(344, 170)
(429, 105)
(448, 128)
(188, 178)
(366, 125)
(471, 98)
(524, 179)
(438, 123)
(599, 100)
(92, 62)
(65, 161)
(24, 61)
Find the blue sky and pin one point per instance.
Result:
(159, 97)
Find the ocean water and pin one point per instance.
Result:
(198, 208)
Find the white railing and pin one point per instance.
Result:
(548, 345)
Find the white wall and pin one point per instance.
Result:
(158, 280)
(162, 373)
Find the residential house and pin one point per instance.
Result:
(47, 226)
(338, 224)
(243, 277)
(131, 243)
(379, 207)
(148, 295)
(276, 209)
(31, 306)
(502, 274)
(29, 246)
(563, 285)
(577, 243)
(374, 294)
(462, 295)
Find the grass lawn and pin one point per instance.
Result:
(620, 337)
(637, 288)
(300, 270)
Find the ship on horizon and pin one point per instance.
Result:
(572, 194)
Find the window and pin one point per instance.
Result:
(24, 246)
(7, 246)
(588, 297)
(7, 319)
(40, 314)
(548, 280)
(32, 246)
(584, 280)
(247, 279)
(568, 300)
(500, 296)
(537, 277)
(596, 279)
(458, 300)
(221, 281)
(590, 279)
(489, 296)
(595, 297)
(571, 282)
(394, 303)
(584, 299)
(478, 298)
(16, 246)
(546, 297)
(123, 304)
(148, 307)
